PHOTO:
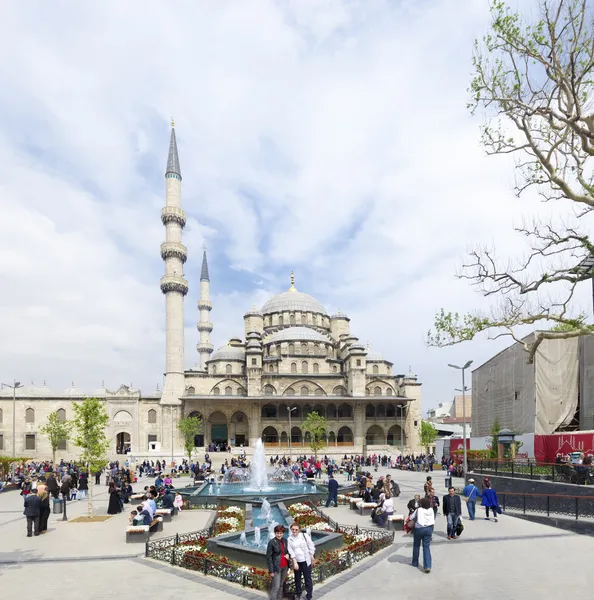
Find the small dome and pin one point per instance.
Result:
(32, 391)
(291, 301)
(101, 392)
(73, 392)
(228, 352)
(296, 334)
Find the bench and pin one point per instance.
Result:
(353, 503)
(156, 525)
(137, 533)
(136, 498)
(166, 513)
(395, 523)
(365, 508)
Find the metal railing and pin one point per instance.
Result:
(526, 469)
(577, 507)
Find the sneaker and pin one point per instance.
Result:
(427, 570)
(495, 520)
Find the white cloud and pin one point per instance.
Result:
(299, 123)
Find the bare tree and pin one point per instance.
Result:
(535, 83)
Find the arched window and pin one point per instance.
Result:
(61, 415)
(291, 348)
(1, 415)
(293, 367)
(317, 348)
(390, 411)
(269, 411)
(281, 321)
(389, 391)
(377, 391)
(228, 369)
(331, 411)
(303, 348)
(269, 390)
(345, 411)
(191, 390)
(304, 390)
(216, 391)
(339, 391)
(316, 368)
(152, 416)
(240, 391)
(367, 392)
(334, 369)
(214, 369)
(314, 319)
(318, 408)
(292, 318)
(304, 366)
(345, 436)
(380, 411)
(290, 392)
(228, 391)
(375, 369)
(271, 368)
(29, 416)
(370, 411)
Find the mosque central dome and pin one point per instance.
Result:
(293, 300)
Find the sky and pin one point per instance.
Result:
(326, 137)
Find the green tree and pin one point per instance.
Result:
(89, 423)
(317, 426)
(428, 434)
(534, 83)
(56, 430)
(190, 427)
(495, 429)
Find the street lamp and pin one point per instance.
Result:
(15, 385)
(464, 388)
(290, 409)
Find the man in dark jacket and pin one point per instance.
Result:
(32, 512)
(452, 510)
(332, 491)
(52, 486)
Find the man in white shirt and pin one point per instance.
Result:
(302, 551)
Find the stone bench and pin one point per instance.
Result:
(395, 523)
(365, 508)
(137, 533)
(353, 503)
(166, 513)
(136, 498)
(156, 525)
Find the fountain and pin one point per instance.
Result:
(243, 539)
(265, 511)
(257, 537)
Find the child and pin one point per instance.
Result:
(132, 517)
(178, 501)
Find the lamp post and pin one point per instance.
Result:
(290, 409)
(15, 385)
(465, 463)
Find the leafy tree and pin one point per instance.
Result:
(428, 434)
(56, 431)
(317, 426)
(190, 427)
(534, 83)
(495, 429)
(89, 423)
(6, 463)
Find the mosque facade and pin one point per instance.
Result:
(293, 358)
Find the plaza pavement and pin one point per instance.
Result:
(512, 559)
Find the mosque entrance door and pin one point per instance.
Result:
(123, 443)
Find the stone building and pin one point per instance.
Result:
(293, 358)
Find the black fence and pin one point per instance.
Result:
(561, 473)
(577, 507)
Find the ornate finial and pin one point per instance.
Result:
(72, 382)
(292, 288)
(157, 387)
(103, 383)
(367, 347)
(172, 123)
(44, 383)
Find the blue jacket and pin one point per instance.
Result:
(471, 492)
(489, 497)
(333, 486)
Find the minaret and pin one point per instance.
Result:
(204, 347)
(173, 284)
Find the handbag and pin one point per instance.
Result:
(410, 523)
(499, 510)
(459, 527)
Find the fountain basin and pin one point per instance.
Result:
(229, 544)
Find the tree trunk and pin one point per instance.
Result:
(90, 481)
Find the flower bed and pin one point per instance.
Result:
(193, 553)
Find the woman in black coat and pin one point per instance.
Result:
(45, 512)
(52, 486)
(115, 506)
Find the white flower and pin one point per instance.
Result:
(232, 509)
(229, 520)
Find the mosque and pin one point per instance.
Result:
(294, 358)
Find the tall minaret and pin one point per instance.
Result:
(204, 306)
(173, 284)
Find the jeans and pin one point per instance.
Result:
(82, 493)
(422, 535)
(471, 504)
(276, 587)
(305, 572)
(452, 522)
(493, 511)
(32, 521)
(332, 497)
